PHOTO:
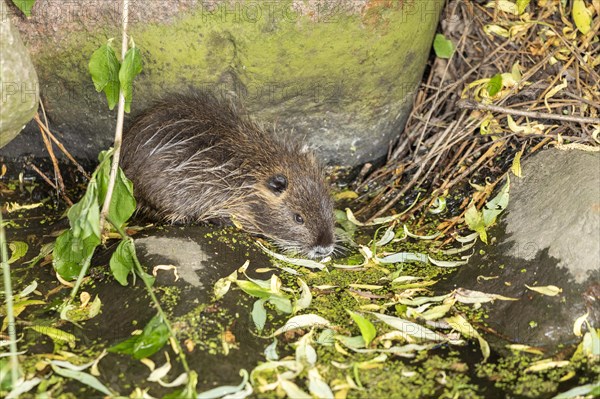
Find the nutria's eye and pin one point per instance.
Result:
(277, 183)
(299, 219)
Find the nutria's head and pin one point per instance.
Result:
(292, 205)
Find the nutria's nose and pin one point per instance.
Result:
(320, 251)
(324, 240)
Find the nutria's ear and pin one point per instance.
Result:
(277, 184)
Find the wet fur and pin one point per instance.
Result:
(195, 157)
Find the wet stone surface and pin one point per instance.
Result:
(202, 255)
(549, 236)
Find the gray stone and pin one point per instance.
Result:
(556, 206)
(550, 235)
(340, 74)
(186, 255)
(18, 81)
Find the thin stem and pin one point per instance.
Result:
(119, 129)
(82, 274)
(162, 314)
(466, 104)
(14, 361)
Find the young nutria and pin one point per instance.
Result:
(194, 157)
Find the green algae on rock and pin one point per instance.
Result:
(340, 74)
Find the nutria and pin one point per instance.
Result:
(195, 157)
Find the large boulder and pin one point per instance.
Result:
(18, 81)
(550, 236)
(340, 74)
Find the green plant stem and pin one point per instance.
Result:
(119, 129)
(82, 273)
(14, 361)
(161, 312)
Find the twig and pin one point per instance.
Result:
(119, 129)
(581, 99)
(467, 104)
(42, 175)
(10, 316)
(46, 129)
(60, 187)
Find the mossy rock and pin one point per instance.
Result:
(341, 75)
(20, 94)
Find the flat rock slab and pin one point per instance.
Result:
(550, 235)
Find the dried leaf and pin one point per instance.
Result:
(549, 290)
(302, 321)
(516, 164)
(579, 323)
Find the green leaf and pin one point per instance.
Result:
(253, 289)
(18, 250)
(122, 203)
(70, 252)
(150, 341)
(496, 205)
(84, 378)
(25, 6)
(84, 216)
(132, 66)
(56, 335)
(522, 5)
(75, 245)
(367, 329)
(125, 347)
(494, 85)
(401, 257)
(474, 220)
(443, 47)
(259, 314)
(104, 68)
(102, 173)
(282, 304)
(581, 391)
(82, 313)
(121, 261)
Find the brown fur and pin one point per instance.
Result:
(196, 158)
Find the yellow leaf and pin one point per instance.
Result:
(496, 30)
(504, 5)
(512, 125)
(579, 323)
(546, 364)
(348, 194)
(516, 164)
(536, 128)
(461, 325)
(516, 71)
(525, 348)
(55, 334)
(582, 16)
(552, 92)
(549, 290)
